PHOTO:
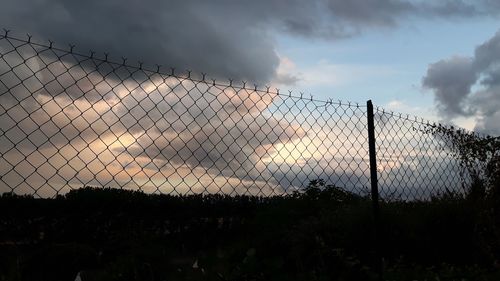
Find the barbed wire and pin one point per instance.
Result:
(187, 74)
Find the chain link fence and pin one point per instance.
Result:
(69, 120)
(413, 161)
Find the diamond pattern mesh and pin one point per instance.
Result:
(412, 162)
(69, 120)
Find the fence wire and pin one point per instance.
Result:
(413, 162)
(69, 120)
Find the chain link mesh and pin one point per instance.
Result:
(69, 120)
(413, 162)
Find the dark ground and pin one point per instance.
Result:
(322, 234)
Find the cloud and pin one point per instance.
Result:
(451, 80)
(103, 125)
(286, 73)
(379, 12)
(225, 38)
(469, 86)
(187, 35)
(108, 125)
(63, 125)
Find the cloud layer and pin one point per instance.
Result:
(225, 38)
(108, 127)
(469, 86)
(68, 124)
(73, 121)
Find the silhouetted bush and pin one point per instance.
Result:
(322, 233)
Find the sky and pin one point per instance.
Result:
(355, 50)
(439, 60)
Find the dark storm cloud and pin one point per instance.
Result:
(61, 109)
(453, 81)
(379, 12)
(224, 38)
(174, 33)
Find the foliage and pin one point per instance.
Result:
(479, 156)
(323, 233)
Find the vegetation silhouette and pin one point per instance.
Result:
(320, 233)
